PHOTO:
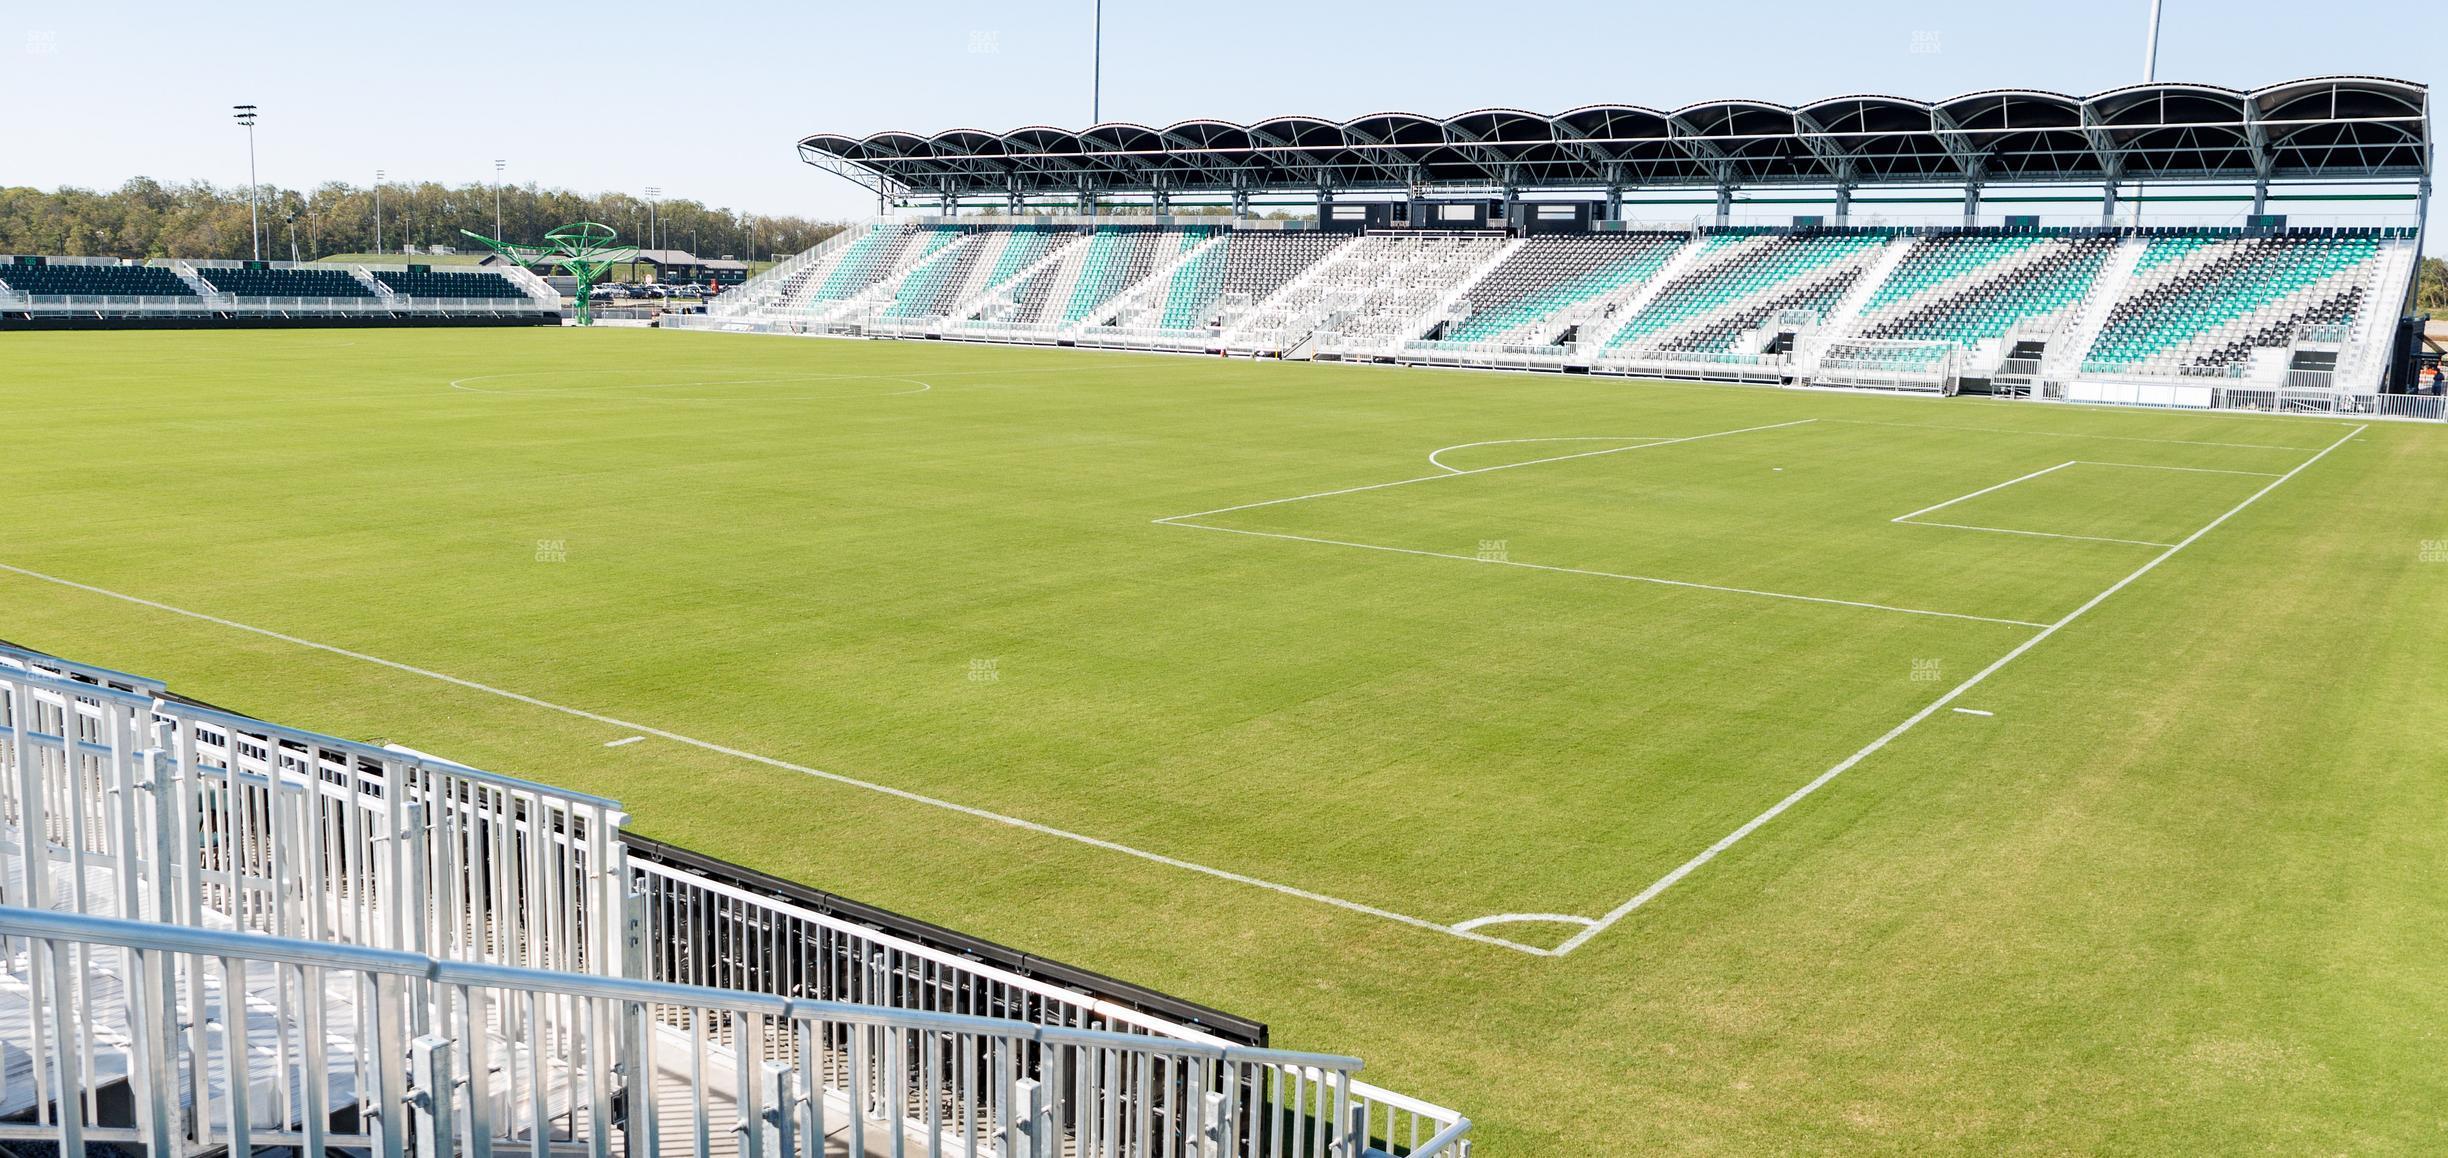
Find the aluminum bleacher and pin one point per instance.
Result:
(394, 952)
(39, 292)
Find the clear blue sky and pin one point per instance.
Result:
(705, 100)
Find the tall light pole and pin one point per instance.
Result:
(378, 184)
(2150, 48)
(498, 166)
(1096, 68)
(654, 212)
(245, 115)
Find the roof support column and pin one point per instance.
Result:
(2108, 204)
(1725, 204)
(1325, 200)
(1844, 203)
(1971, 204)
(1614, 203)
(1240, 204)
(2260, 195)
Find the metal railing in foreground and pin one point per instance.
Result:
(699, 931)
(145, 805)
(197, 1039)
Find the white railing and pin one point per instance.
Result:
(118, 800)
(219, 1039)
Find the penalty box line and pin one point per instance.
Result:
(902, 794)
(1186, 521)
(1626, 909)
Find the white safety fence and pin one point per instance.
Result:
(183, 817)
(188, 1040)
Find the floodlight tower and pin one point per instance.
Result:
(498, 166)
(2150, 48)
(378, 184)
(245, 115)
(654, 212)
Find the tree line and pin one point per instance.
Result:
(198, 220)
(2431, 289)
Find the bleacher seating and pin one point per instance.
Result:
(1249, 265)
(1749, 280)
(1117, 258)
(1970, 288)
(448, 284)
(1552, 273)
(284, 283)
(80, 280)
(2063, 302)
(2204, 306)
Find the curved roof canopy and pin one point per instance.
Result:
(2334, 127)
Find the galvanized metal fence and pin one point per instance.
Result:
(326, 917)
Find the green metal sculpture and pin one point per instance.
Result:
(583, 249)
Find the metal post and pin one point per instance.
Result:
(1096, 69)
(378, 184)
(498, 166)
(1725, 204)
(1028, 1109)
(429, 1101)
(2108, 204)
(245, 115)
(1971, 204)
(2150, 48)
(1844, 204)
(1216, 1127)
(774, 1115)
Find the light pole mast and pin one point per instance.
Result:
(245, 115)
(378, 184)
(498, 166)
(654, 213)
(1096, 68)
(2150, 48)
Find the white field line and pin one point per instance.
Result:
(2034, 534)
(834, 777)
(1435, 461)
(1683, 583)
(624, 743)
(2186, 469)
(1978, 493)
(1510, 918)
(1451, 473)
(1974, 712)
(1798, 795)
(2068, 434)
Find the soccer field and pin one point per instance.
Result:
(1632, 766)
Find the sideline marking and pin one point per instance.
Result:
(621, 743)
(1611, 575)
(1752, 825)
(1985, 490)
(1452, 473)
(2186, 469)
(818, 773)
(2070, 434)
(1434, 461)
(2037, 534)
(1974, 712)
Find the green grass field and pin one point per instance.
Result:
(2175, 889)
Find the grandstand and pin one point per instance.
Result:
(40, 292)
(1501, 238)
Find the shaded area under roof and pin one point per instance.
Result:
(2328, 128)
